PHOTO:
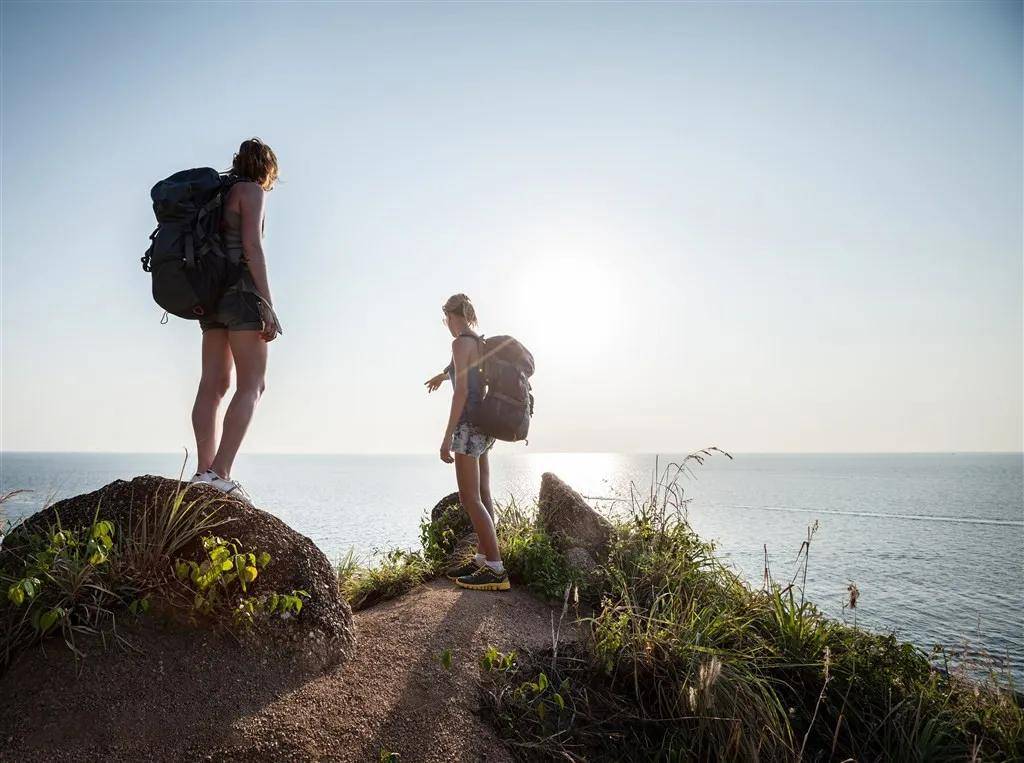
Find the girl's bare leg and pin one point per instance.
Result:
(485, 484)
(485, 491)
(467, 472)
(213, 385)
(250, 354)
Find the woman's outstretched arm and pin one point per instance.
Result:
(436, 381)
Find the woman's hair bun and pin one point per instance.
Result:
(460, 304)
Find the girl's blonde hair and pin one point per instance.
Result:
(459, 304)
(256, 161)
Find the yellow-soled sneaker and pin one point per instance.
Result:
(485, 579)
(463, 570)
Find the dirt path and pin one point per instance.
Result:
(174, 703)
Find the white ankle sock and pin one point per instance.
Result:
(498, 566)
(479, 560)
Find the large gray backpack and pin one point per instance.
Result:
(187, 260)
(507, 405)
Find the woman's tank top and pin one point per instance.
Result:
(231, 233)
(474, 381)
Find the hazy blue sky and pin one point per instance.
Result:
(789, 227)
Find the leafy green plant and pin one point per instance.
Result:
(214, 578)
(493, 660)
(62, 580)
(221, 580)
(283, 605)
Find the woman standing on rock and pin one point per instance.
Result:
(485, 571)
(237, 334)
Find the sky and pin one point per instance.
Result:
(768, 227)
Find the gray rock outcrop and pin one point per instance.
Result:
(570, 520)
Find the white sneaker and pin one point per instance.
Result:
(206, 477)
(229, 487)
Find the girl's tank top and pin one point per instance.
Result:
(474, 381)
(231, 233)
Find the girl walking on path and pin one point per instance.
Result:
(470, 446)
(237, 334)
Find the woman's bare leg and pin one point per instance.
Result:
(485, 492)
(467, 472)
(250, 354)
(213, 385)
(485, 484)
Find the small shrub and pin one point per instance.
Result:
(221, 581)
(395, 572)
(439, 539)
(529, 554)
(65, 581)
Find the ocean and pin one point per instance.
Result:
(934, 542)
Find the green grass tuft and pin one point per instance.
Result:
(391, 574)
(529, 554)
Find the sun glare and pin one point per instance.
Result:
(572, 296)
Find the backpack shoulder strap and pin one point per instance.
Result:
(479, 340)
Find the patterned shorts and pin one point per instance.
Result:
(470, 441)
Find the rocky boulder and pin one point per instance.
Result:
(583, 564)
(570, 520)
(321, 635)
(450, 510)
(451, 522)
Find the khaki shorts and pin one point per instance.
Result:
(238, 309)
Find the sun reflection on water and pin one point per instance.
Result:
(591, 474)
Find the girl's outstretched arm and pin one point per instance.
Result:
(436, 381)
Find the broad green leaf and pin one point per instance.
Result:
(48, 619)
(16, 595)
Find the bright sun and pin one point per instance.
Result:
(572, 296)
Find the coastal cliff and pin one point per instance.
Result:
(624, 638)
